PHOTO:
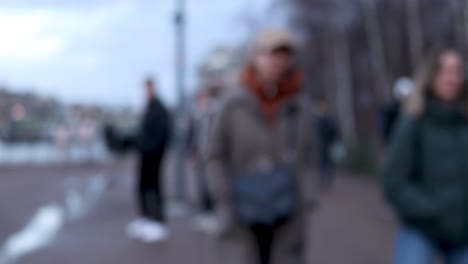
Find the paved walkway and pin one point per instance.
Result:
(350, 228)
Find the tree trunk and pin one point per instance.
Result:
(328, 72)
(381, 85)
(395, 36)
(344, 94)
(465, 26)
(415, 31)
(458, 20)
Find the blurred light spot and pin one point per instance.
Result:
(39, 232)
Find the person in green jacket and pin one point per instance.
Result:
(426, 171)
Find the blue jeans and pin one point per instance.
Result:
(412, 247)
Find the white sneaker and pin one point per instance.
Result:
(135, 228)
(154, 232)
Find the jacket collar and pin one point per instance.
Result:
(443, 113)
(288, 106)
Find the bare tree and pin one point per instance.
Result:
(377, 49)
(345, 94)
(361, 46)
(337, 27)
(465, 22)
(251, 22)
(415, 34)
(458, 11)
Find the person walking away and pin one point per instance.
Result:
(86, 136)
(260, 158)
(152, 142)
(327, 137)
(425, 175)
(63, 143)
(206, 111)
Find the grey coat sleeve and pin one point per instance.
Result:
(217, 168)
(217, 156)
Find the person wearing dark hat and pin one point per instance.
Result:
(261, 148)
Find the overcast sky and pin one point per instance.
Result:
(99, 50)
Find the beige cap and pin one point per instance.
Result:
(272, 38)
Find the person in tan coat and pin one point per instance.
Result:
(252, 133)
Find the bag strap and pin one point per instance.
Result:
(291, 140)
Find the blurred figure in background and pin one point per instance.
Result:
(390, 113)
(87, 136)
(425, 176)
(152, 141)
(62, 139)
(327, 137)
(207, 107)
(261, 151)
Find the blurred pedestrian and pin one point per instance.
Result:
(327, 137)
(425, 176)
(390, 113)
(206, 109)
(63, 143)
(260, 156)
(152, 142)
(86, 137)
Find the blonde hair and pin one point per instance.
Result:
(424, 79)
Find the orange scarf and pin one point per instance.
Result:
(290, 86)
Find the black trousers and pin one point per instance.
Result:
(206, 201)
(149, 192)
(264, 238)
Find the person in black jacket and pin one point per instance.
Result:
(152, 141)
(327, 136)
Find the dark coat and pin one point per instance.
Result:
(388, 118)
(426, 174)
(116, 141)
(327, 136)
(155, 129)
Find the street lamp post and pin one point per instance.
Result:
(180, 56)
